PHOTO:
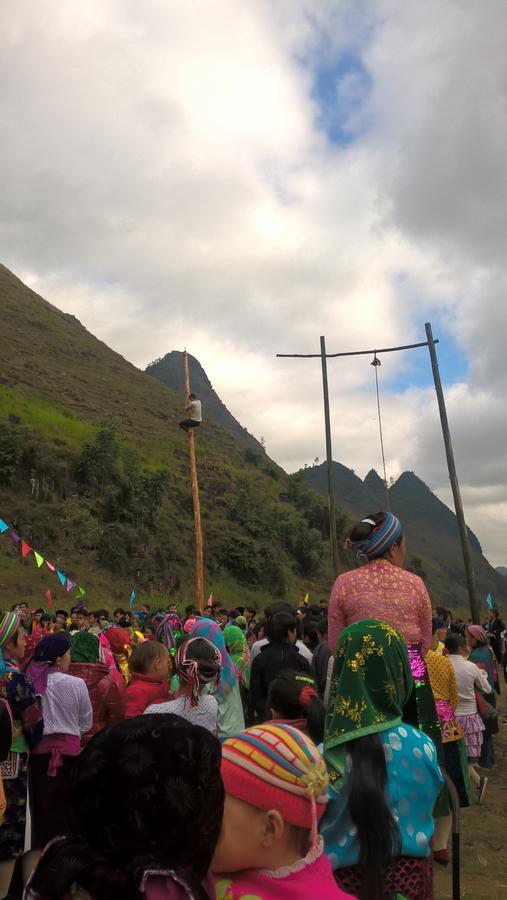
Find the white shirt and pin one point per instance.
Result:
(66, 705)
(194, 410)
(469, 679)
(204, 714)
(257, 647)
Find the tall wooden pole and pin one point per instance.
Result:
(329, 456)
(199, 562)
(453, 478)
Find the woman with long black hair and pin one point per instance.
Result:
(384, 775)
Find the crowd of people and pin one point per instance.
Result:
(233, 753)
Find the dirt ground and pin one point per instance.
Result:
(484, 834)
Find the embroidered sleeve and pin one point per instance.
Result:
(25, 707)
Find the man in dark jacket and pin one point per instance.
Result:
(279, 654)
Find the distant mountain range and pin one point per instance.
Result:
(434, 549)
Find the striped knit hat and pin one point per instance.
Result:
(9, 624)
(381, 537)
(277, 767)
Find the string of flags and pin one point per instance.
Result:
(26, 549)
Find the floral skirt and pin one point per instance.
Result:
(472, 726)
(410, 876)
(15, 780)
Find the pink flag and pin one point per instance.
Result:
(50, 566)
(49, 599)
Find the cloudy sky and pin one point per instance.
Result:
(242, 176)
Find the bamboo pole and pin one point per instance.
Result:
(475, 608)
(329, 460)
(199, 562)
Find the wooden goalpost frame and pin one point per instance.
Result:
(199, 558)
(430, 343)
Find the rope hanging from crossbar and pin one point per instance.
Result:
(376, 363)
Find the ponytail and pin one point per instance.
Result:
(377, 831)
(295, 696)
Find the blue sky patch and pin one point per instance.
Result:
(340, 89)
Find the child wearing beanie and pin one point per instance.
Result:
(276, 791)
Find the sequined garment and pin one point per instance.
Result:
(382, 591)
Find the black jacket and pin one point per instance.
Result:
(273, 658)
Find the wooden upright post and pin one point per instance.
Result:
(329, 456)
(453, 478)
(199, 562)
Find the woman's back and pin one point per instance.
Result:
(66, 705)
(386, 592)
(413, 784)
(469, 678)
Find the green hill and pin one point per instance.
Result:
(434, 549)
(94, 475)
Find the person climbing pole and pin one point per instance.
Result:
(193, 409)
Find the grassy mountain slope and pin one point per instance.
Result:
(434, 549)
(94, 473)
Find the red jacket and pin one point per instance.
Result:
(144, 690)
(106, 697)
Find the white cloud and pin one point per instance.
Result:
(165, 178)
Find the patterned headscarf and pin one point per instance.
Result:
(195, 672)
(170, 632)
(235, 641)
(9, 624)
(208, 629)
(119, 639)
(84, 647)
(370, 684)
(477, 632)
(381, 538)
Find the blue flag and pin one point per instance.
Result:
(132, 599)
(489, 601)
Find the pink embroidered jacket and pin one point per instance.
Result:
(385, 592)
(310, 877)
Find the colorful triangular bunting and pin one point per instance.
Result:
(25, 548)
(15, 536)
(82, 592)
(61, 576)
(38, 559)
(3, 526)
(49, 599)
(70, 584)
(50, 566)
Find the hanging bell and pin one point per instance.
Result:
(375, 361)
